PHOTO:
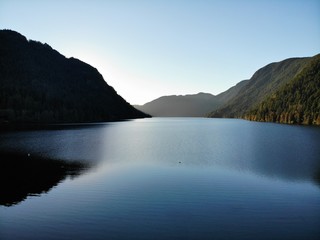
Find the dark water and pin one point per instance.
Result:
(161, 178)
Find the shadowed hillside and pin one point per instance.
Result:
(39, 85)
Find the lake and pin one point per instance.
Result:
(161, 178)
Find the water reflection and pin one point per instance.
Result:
(284, 152)
(83, 142)
(316, 176)
(33, 161)
(225, 177)
(289, 153)
(23, 175)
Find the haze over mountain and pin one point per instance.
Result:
(39, 85)
(285, 91)
(192, 105)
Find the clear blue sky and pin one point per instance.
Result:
(147, 49)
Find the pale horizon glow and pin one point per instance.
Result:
(148, 49)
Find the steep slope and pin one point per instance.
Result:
(39, 85)
(263, 83)
(297, 102)
(232, 92)
(194, 105)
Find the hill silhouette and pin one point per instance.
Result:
(192, 105)
(284, 92)
(39, 85)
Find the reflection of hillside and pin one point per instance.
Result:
(22, 175)
(317, 177)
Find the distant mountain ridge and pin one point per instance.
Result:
(39, 85)
(287, 92)
(192, 105)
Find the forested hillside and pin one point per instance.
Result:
(297, 102)
(39, 85)
(263, 83)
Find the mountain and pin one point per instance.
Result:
(287, 91)
(263, 83)
(193, 105)
(232, 92)
(296, 102)
(39, 85)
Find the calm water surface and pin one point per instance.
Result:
(162, 178)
